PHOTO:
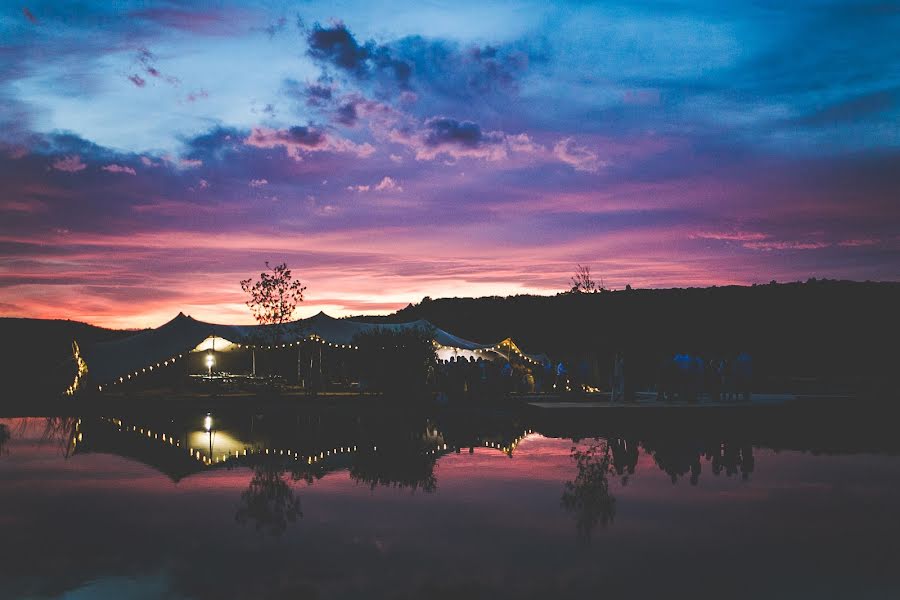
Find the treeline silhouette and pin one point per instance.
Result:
(36, 355)
(821, 334)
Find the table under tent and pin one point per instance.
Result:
(187, 351)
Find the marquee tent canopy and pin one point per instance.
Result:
(118, 360)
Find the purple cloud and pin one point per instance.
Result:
(300, 140)
(114, 168)
(69, 164)
(580, 158)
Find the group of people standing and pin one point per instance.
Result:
(683, 377)
(460, 376)
(686, 377)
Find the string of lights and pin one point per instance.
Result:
(504, 346)
(499, 348)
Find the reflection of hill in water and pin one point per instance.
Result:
(396, 451)
(401, 450)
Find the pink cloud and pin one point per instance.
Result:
(210, 22)
(114, 168)
(69, 164)
(731, 236)
(194, 96)
(786, 245)
(856, 243)
(387, 184)
(492, 146)
(22, 206)
(16, 152)
(190, 163)
(256, 183)
(298, 141)
(29, 15)
(580, 158)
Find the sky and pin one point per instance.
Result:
(153, 154)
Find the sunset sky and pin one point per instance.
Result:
(154, 154)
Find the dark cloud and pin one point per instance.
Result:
(306, 136)
(147, 60)
(276, 27)
(459, 71)
(214, 145)
(855, 109)
(137, 80)
(432, 66)
(346, 113)
(29, 15)
(318, 94)
(338, 47)
(441, 131)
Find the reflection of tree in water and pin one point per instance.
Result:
(588, 496)
(4, 438)
(676, 458)
(402, 468)
(624, 458)
(733, 458)
(269, 501)
(56, 430)
(60, 430)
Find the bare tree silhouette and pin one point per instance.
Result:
(4, 438)
(274, 297)
(583, 282)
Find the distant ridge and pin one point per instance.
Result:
(824, 329)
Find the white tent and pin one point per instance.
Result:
(123, 359)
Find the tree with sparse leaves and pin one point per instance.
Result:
(588, 497)
(583, 282)
(274, 296)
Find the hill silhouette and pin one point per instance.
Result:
(823, 332)
(821, 335)
(37, 353)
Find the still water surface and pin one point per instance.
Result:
(415, 507)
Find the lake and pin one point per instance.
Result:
(291, 503)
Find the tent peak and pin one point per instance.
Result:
(322, 315)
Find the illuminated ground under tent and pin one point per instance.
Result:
(185, 346)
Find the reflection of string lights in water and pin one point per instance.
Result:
(247, 452)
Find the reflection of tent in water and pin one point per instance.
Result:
(118, 361)
(183, 447)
